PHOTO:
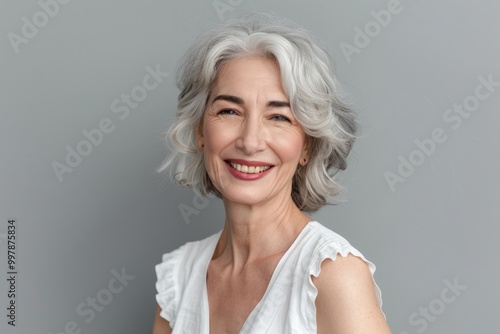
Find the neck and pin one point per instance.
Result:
(252, 233)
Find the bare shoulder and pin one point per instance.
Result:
(160, 325)
(346, 300)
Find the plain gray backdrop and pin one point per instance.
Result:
(422, 184)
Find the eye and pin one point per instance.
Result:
(227, 112)
(280, 118)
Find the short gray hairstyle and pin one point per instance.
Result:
(308, 80)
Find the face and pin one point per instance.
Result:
(251, 142)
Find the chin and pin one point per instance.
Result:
(245, 197)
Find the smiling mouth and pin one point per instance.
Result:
(248, 169)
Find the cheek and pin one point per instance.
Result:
(217, 137)
(289, 146)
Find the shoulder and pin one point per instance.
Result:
(348, 299)
(325, 243)
(322, 235)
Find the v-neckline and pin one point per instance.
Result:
(206, 306)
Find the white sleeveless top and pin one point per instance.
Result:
(287, 306)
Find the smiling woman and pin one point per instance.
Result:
(260, 124)
(248, 124)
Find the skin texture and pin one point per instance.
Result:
(248, 117)
(346, 302)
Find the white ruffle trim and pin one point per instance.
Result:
(166, 285)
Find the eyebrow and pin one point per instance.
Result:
(239, 101)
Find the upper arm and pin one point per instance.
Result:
(160, 325)
(346, 300)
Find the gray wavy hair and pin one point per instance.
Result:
(308, 80)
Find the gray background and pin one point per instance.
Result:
(112, 211)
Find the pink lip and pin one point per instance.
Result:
(247, 176)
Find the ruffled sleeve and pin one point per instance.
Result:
(330, 250)
(167, 285)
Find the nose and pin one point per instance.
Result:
(252, 138)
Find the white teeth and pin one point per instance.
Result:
(249, 169)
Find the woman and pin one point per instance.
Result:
(261, 125)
